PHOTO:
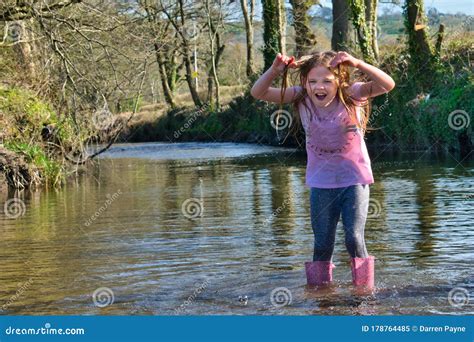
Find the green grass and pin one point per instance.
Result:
(23, 117)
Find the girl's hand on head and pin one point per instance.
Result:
(343, 57)
(282, 61)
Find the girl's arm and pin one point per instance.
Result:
(380, 83)
(261, 89)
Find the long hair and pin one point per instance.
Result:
(343, 79)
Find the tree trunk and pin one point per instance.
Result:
(304, 38)
(24, 47)
(363, 31)
(212, 79)
(271, 31)
(167, 92)
(214, 40)
(282, 26)
(439, 40)
(421, 54)
(187, 59)
(167, 80)
(371, 20)
(248, 19)
(340, 25)
(171, 68)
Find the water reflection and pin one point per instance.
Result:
(122, 226)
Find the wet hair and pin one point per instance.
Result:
(343, 78)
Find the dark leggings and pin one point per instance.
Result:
(327, 205)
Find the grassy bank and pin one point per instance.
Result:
(34, 140)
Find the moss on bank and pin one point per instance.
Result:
(32, 137)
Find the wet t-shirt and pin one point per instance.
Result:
(336, 150)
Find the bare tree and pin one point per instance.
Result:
(281, 14)
(248, 20)
(20, 10)
(161, 32)
(88, 55)
(182, 16)
(214, 16)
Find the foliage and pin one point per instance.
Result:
(23, 118)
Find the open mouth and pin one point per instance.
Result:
(320, 96)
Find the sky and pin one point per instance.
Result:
(443, 6)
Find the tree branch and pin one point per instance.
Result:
(28, 11)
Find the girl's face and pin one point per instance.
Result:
(321, 86)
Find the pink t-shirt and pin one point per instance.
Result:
(336, 150)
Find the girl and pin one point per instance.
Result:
(334, 113)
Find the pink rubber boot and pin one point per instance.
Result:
(318, 272)
(363, 272)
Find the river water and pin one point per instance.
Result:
(222, 228)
